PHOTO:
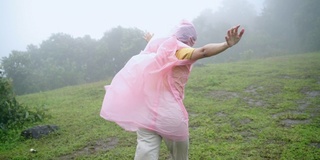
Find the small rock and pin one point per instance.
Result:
(39, 131)
(33, 150)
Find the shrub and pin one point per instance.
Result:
(12, 114)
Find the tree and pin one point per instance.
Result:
(63, 60)
(290, 25)
(116, 47)
(307, 22)
(212, 26)
(16, 68)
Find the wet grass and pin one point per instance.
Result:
(261, 109)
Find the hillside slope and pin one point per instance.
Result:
(261, 109)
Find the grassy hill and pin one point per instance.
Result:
(261, 109)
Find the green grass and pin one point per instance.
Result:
(261, 109)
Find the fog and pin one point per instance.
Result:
(53, 44)
(33, 21)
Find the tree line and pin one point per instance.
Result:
(63, 60)
(283, 27)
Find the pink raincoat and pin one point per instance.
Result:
(148, 92)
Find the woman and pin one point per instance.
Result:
(147, 94)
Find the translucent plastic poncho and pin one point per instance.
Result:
(148, 92)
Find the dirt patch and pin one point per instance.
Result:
(303, 113)
(312, 94)
(248, 136)
(241, 122)
(303, 105)
(191, 114)
(253, 99)
(278, 115)
(291, 122)
(317, 145)
(253, 89)
(245, 121)
(315, 111)
(291, 118)
(223, 95)
(286, 77)
(253, 102)
(221, 114)
(102, 145)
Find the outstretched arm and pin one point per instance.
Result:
(232, 38)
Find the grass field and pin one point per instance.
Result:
(259, 109)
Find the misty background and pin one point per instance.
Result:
(52, 44)
(32, 21)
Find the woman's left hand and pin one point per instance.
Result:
(147, 36)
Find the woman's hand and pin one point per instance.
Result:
(147, 36)
(233, 37)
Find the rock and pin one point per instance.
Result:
(39, 131)
(33, 150)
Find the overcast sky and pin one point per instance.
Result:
(25, 22)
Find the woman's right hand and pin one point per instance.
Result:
(233, 37)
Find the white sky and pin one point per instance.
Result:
(25, 22)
